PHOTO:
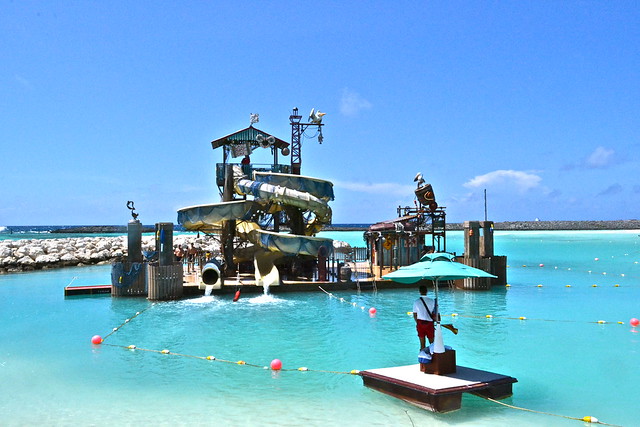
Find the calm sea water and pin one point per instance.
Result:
(566, 363)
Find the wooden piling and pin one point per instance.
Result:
(165, 281)
(128, 279)
(478, 253)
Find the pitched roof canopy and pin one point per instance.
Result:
(248, 135)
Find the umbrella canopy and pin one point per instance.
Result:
(437, 266)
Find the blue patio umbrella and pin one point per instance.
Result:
(436, 266)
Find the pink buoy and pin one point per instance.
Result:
(96, 339)
(634, 322)
(276, 364)
(372, 311)
(541, 265)
(596, 259)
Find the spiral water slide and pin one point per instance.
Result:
(271, 192)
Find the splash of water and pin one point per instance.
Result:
(207, 290)
(264, 299)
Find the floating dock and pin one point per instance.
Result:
(437, 393)
(87, 290)
(190, 288)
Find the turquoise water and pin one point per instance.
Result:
(565, 362)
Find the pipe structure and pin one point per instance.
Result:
(211, 272)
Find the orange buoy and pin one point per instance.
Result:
(237, 296)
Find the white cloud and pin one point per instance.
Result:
(611, 190)
(352, 103)
(379, 188)
(521, 181)
(23, 82)
(600, 158)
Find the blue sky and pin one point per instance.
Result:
(535, 101)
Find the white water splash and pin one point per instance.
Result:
(205, 299)
(264, 299)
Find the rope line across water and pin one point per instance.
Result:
(491, 316)
(216, 359)
(116, 329)
(341, 299)
(586, 419)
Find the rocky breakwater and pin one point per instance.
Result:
(36, 254)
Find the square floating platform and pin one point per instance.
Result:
(437, 393)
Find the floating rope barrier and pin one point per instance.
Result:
(586, 419)
(238, 362)
(210, 358)
(117, 328)
(372, 310)
(540, 285)
(98, 340)
(491, 316)
(590, 272)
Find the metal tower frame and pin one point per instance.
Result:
(297, 129)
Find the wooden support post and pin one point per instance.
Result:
(165, 281)
(164, 243)
(486, 239)
(228, 227)
(471, 239)
(134, 241)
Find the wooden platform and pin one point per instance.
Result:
(231, 286)
(437, 393)
(87, 290)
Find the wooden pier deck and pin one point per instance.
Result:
(87, 290)
(248, 286)
(437, 393)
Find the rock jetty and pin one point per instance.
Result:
(627, 224)
(36, 254)
(102, 229)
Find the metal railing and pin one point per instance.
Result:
(249, 169)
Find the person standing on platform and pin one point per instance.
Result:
(191, 258)
(178, 253)
(246, 166)
(424, 313)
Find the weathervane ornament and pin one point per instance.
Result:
(254, 118)
(132, 209)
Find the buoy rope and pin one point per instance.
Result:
(239, 362)
(491, 316)
(216, 359)
(590, 272)
(116, 329)
(341, 299)
(586, 419)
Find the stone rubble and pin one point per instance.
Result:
(36, 254)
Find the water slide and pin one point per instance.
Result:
(271, 193)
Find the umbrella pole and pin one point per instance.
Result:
(438, 343)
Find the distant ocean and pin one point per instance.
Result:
(561, 328)
(54, 231)
(544, 330)
(43, 232)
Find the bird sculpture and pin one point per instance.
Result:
(419, 179)
(132, 208)
(315, 117)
